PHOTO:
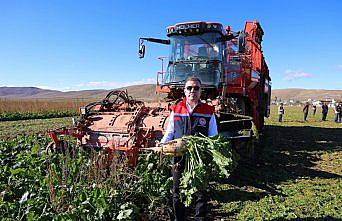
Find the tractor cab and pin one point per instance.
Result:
(197, 55)
(195, 49)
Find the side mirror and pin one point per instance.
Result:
(141, 48)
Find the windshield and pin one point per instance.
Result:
(195, 47)
(196, 55)
(208, 73)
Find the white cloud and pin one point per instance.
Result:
(53, 88)
(43, 87)
(291, 75)
(102, 84)
(10, 85)
(89, 85)
(143, 81)
(339, 66)
(37, 86)
(113, 84)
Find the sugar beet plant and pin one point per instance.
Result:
(205, 158)
(24, 190)
(13, 116)
(38, 182)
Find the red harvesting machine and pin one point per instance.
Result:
(235, 79)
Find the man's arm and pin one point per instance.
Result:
(170, 130)
(212, 126)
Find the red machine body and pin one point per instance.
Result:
(235, 79)
(118, 123)
(236, 61)
(247, 75)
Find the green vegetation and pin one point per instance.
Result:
(294, 117)
(297, 176)
(13, 116)
(205, 158)
(38, 183)
(10, 129)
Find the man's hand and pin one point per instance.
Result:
(158, 144)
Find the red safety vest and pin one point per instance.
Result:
(191, 124)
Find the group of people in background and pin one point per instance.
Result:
(325, 110)
(306, 108)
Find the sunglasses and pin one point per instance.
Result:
(196, 88)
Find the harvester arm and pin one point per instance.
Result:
(155, 40)
(73, 132)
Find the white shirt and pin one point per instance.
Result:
(170, 131)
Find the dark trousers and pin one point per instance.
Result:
(324, 116)
(336, 117)
(305, 115)
(280, 118)
(178, 206)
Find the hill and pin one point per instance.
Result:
(26, 92)
(305, 94)
(147, 92)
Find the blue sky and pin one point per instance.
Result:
(76, 45)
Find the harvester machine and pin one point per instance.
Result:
(231, 66)
(235, 79)
(117, 124)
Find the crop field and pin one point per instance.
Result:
(39, 105)
(21, 109)
(10, 129)
(295, 176)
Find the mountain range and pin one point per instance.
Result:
(146, 92)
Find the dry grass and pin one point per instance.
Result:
(40, 105)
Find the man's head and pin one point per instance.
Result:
(192, 89)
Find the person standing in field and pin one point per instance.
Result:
(337, 113)
(325, 110)
(281, 112)
(189, 117)
(340, 105)
(314, 108)
(306, 111)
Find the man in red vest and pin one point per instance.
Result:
(189, 117)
